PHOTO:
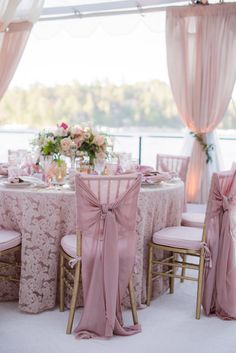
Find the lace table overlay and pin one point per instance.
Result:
(44, 216)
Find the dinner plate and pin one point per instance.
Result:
(150, 185)
(22, 185)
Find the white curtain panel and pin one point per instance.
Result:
(201, 56)
(19, 11)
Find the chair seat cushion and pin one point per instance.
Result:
(179, 237)
(68, 244)
(193, 219)
(9, 239)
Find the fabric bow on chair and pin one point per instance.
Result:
(219, 294)
(106, 219)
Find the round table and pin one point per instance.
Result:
(43, 216)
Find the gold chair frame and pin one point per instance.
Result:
(70, 278)
(172, 262)
(6, 265)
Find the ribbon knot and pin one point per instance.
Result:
(105, 209)
(225, 203)
(207, 255)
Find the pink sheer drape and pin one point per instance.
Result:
(16, 21)
(107, 220)
(219, 294)
(12, 44)
(201, 56)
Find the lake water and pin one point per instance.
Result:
(150, 146)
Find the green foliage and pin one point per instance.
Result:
(101, 103)
(207, 148)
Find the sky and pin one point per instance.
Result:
(120, 49)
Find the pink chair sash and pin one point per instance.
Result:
(219, 294)
(108, 250)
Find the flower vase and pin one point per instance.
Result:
(59, 171)
(47, 168)
(91, 164)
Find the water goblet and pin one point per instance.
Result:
(99, 165)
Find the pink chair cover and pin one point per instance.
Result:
(176, 164)
(106, 218)
(219, 293)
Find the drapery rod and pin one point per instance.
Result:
(139, 10)
(78, 15)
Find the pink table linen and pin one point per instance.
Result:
(44, 216)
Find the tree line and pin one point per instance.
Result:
(147, 104)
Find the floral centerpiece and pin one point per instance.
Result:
(71, 141)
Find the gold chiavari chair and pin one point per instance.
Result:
(187, 241)
(10, 246)
(174, 241)
(71, 248)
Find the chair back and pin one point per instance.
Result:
(171, 163)
(233, 165)
(106, 217)
(219, 278)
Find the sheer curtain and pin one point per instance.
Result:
(16, 21)
(201, 56)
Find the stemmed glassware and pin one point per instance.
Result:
(125, 160)
(99, 165)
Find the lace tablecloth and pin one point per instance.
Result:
(44, 216)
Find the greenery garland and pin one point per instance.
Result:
(207, 148)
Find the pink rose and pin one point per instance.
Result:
(99, 140)
(78, 141)
(64, 126)
(76, 131)
(66, 144)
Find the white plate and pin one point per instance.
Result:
(22, 185)
(150, 185)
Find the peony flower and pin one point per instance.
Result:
(78, 141)
(61, 132)
(66, 144)
(99, 140)
(76, 131)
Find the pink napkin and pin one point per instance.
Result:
(155, 177)
(144, 169)
(3, 169)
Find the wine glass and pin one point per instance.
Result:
(99, 165)
(125, 161)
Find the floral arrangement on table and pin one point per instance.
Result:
(71, 141)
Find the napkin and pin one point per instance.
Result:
(32, 180)
(144, 169)
(155, 177)
(15, 180)
(3, 169)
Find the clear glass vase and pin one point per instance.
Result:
(59, 171)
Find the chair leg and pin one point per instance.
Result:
(74, 298)
(62, 286)
(149, 275)
(200, 285)
(183, 272)
(133, 302)
(172, 279)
